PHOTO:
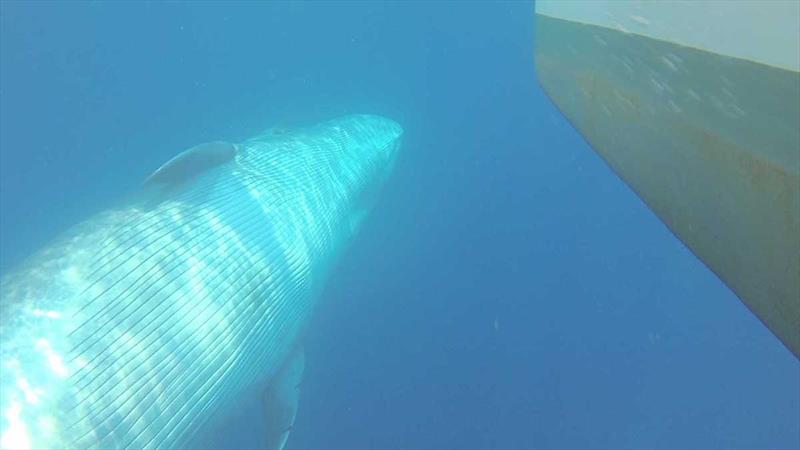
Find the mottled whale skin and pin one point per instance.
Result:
(147, 323)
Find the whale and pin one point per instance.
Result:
(152, 321)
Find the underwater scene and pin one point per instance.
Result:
(568, 224)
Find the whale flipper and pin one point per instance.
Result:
(192, 162)
(178, 172)
(280, 401)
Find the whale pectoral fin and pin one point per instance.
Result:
(177, 174)
(192, 162)
(280, 401)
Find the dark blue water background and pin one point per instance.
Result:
(509, 291)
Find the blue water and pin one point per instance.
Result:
(509, 290)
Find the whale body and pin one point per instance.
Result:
(150, 322)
